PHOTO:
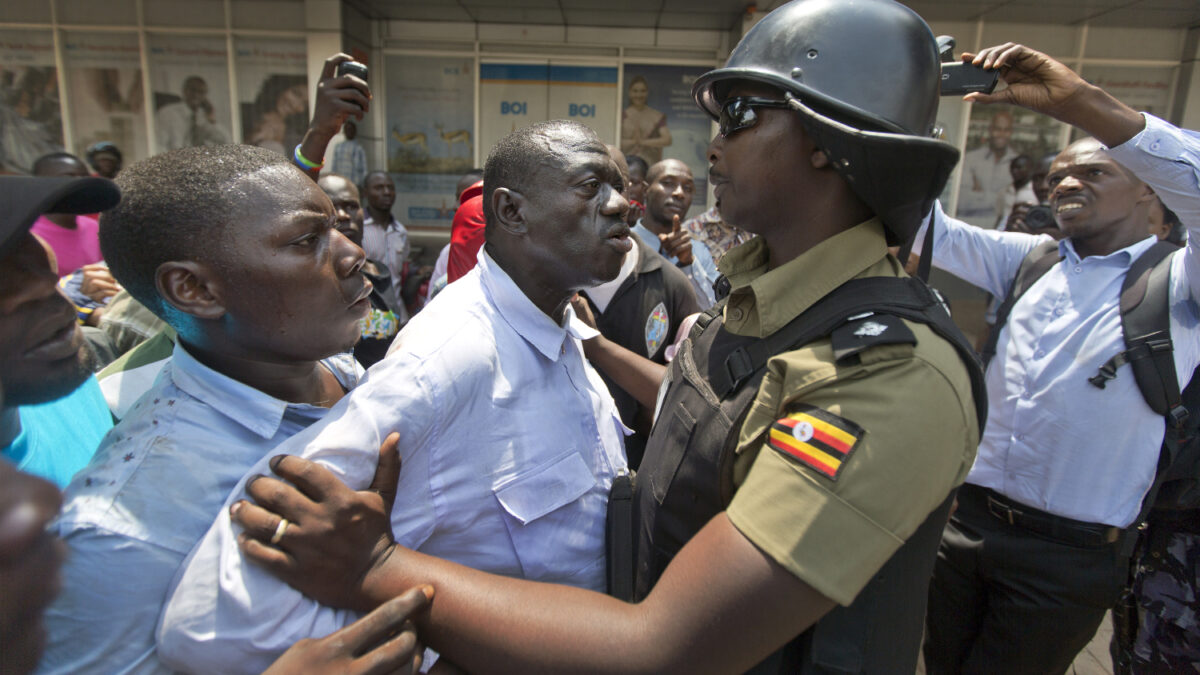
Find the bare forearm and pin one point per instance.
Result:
(313, 148)
(487, 623)
(721, 606)
(636, 374)
(1099, 114)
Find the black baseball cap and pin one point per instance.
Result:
(24, 198)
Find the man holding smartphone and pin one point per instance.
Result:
(1033, 557)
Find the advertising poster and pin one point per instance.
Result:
(104, 81)
(430, 139)
(515, 95)
(30, 116)
(189, 78)
(660, 120)
(996, 135)
(272, 92)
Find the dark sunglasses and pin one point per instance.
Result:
(738, 113)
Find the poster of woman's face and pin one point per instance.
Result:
(659, 120)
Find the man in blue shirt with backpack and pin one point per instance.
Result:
(1083, 383)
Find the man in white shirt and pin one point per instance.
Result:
(985, 173)
(509, 439)
(384, 238)
(1033, 558)
(191, 121)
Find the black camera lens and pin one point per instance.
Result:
(1039, 218)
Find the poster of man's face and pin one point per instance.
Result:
(996, 136)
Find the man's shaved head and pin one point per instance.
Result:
(673, 164)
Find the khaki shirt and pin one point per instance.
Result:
(908, 409)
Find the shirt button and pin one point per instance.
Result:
(1058, 311)
(736, 314)
(1078, 269)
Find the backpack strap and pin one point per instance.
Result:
(1035, 265)
(1145, 322)
(905, 297)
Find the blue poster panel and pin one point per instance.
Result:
(515, 95)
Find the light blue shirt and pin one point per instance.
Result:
(702, 272)
(153, 488)
(509, 442)
(1053, 440)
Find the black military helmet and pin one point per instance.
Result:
(865, 75)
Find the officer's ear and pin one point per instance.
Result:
(819, 159)
(510, 206)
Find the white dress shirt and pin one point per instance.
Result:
(981, 168)
(509, 442)
(1053, 440)
(132, 515)
(178, 126)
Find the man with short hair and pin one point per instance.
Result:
(669, 192)
(642, 310)
(1036, 552)
(264, 309)
(382, 322)
(384, 238)
(349, 157)
(190, 121)
(985, 172)
(509, 438)
(1018, 191)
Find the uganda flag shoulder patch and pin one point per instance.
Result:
(817, 438)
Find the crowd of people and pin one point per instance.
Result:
(241, 434)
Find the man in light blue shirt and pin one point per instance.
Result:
(668, 197)
(509, 439)
(1031, 559)
(264, 308)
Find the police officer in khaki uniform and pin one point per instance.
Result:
(794, 488)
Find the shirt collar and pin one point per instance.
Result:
(258, 412)
(761, 302)
(524, 317)
(648, 237)
(1124, 257)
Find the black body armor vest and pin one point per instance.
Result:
(686, 477)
